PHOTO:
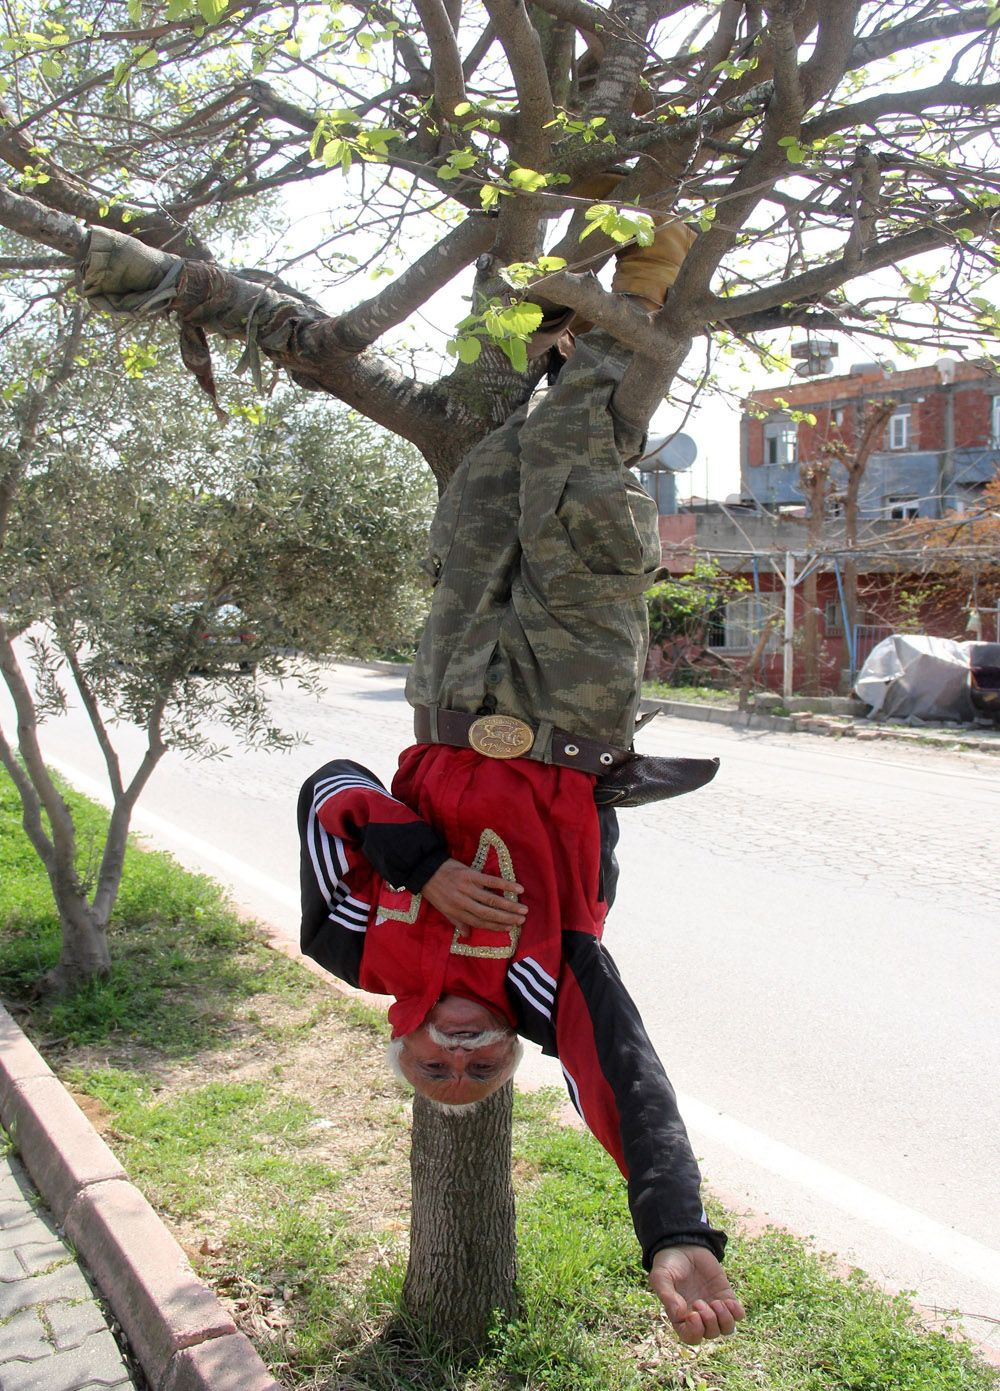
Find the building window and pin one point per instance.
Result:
(995, 423)
(838, 416)
(899, 429)
(781, 443)
(901, 509)
(833, 618)
(746, 616)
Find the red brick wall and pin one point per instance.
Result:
(927, 417)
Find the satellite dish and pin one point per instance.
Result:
(674, 452)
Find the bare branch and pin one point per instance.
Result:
(813, 284)
(943, 95)
(360, 327)
(915, 33)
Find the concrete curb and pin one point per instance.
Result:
(721, 714)
(182, 1336)
(832, 725)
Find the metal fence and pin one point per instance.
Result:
(867, 636)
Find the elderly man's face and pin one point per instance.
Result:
(447, 1070)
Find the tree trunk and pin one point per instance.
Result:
(814, 479)
(810, 634)
(854, 477)
(84, 953)
(463, 1246)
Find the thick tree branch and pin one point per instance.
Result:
(31, 775)
(524, 54)
(914, 34)
(446, 60)
(360, 327)
(31, 219)
(869, 112)
(783, 118)
(116, 841)
(813, 284)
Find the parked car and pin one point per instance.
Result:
(226, 632)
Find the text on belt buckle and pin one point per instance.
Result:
(500, 736)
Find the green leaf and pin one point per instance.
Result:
(336, 152)
(51, 68)
(488, 195)
(528, 180)
(135, 11)
(919, 293)
(468, 349)
(517, 352)
(520, 319)
(463, 108)
(148, 59)
(620, 224)
(211, 11)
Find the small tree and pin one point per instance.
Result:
(162, 564)
(683, 611)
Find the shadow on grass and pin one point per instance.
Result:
(183, 964)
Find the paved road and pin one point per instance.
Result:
(812, 942)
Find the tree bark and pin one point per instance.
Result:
(84, 953)
(814, 479)
(873, 424)
(463, 1251)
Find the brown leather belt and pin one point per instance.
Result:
(503, 736)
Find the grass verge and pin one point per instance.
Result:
(250, 1105)
(697, 695)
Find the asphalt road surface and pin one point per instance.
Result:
(812, 941)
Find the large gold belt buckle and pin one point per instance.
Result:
(500, 736)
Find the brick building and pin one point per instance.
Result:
(940, 447)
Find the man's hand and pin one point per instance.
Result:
(470, 899)
(692, 1286)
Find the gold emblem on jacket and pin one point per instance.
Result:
(500, 736)
(489, 840)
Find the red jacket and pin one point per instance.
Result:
(556, 983)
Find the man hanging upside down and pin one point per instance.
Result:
(475, 892)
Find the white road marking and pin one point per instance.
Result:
(238, 870)
(953, 1249)
(958, 1252)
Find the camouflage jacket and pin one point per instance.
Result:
(540, 553)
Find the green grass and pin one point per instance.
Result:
(195, 1053)
(699, 695)
(180, 957)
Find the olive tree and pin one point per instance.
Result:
(163, 566)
